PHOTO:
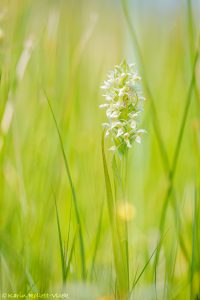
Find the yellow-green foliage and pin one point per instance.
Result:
(54, 56)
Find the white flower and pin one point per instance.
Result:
(123, 106)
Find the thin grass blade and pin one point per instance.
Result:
(82, 248)
(62, 255)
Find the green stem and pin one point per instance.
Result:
(120, 251)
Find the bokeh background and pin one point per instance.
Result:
(66, 48)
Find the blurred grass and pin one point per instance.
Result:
(69, 47)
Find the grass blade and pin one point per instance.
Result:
(195, 245)
(179, 142)
(170, 171)
(62, 255)
(135, 281)
(156, 126)
(82, 249)
(190, 28)
(144, 268)
(108, 183)
(96, 241)
(118, 246)
(70, 255)
(176, 156)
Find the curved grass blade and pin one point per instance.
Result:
(162, 148)
(32, 284)
(62, 255)
(109, 194)
(135, 281)
(176, 155)
(194, 258)
(70, 255)
(191, 37)
(82, 249)
(96, 241)
(144, 268)
(146, 85)
(179, 142)
(190, 28)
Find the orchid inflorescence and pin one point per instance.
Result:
(123, 106)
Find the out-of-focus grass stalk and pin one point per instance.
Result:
(71, 252)
(195, 255)
(120, 195)
(177, 218)
(179, 139)
(66, 263)
(82, 249)
(190, 29)
(136, 45)
(195, 259)
(97, 239)
(194, 55)
(137, 278)
(146, 86)
(191, 36)
(62, 255)
(162, 148)
(170, 171)
(176, 155)
(119, 238)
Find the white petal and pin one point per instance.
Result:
(121, 92)
(133, 115)
(119, 104)
(138, 139)
(109, 98)
(142, 98)
(107, 133)
(128, 143)
(120, 132)
(103, 105)
(114, 124)
(142, 131)
(105, 125)
(133, 124)
(113, 114)
(126, 135)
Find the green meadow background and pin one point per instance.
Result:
(54, 56)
